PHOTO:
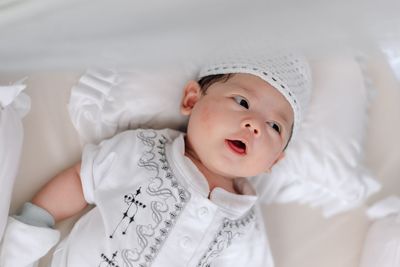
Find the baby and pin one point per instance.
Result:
(165, 198)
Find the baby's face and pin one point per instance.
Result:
(239, 128)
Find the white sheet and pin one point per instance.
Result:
(75, 34)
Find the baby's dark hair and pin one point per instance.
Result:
(209, 80)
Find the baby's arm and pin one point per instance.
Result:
(29, 235)
(62, 196)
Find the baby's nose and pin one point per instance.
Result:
(252, 126)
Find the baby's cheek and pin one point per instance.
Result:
(263, 160)
(206, 116)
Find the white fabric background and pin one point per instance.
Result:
(74, 34)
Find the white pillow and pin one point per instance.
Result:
(323, 168)
(13, 106)
(105, 102)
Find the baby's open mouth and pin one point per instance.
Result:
(237, 146)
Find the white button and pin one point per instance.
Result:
(186, 242)
(202, 212)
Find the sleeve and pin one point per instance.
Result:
(13, 106)
(100, 161)
(23, 245)
(252, 250)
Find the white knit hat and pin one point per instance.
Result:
(288, 72)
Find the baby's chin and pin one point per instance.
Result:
(232, 173)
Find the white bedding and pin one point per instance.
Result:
(75, 34)
(13, 106)
(299, 235)
(54, 58)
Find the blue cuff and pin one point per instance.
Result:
(35, 216)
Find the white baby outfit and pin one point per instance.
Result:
(152, 209)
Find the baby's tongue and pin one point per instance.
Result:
(238, 146)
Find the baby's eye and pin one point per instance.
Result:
(274, 126)
(242, 101)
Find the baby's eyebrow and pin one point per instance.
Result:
(283, 117)
(238, 87)
(251, 94)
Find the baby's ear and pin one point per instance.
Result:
(191, 94)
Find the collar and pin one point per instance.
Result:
(234, 204)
